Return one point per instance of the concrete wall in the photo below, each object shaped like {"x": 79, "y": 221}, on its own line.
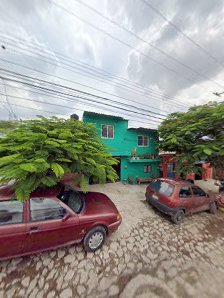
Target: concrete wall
{"x": 136, "y": 169}
{"x": 125, "y": 140}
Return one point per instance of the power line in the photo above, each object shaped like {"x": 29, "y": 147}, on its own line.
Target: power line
{"x": 86, "y": 65}
{"x": 63, "y": 106}
{"x": 67, "y": 80}
{"x": 89, "y": 104}
{"x": 117, "y": 39}
{"x": 82, "y": 92}
{"x": 94, "y": 77}
{"x": 66, "y": 99}
{"x": 58, "y": 92}
{"x": 152, "y": 97}
{"x": 182, "y": 32}
{"x": 12, "y": 113}
{"x": 149, "y": 43}
{"x": 25, "y": 107}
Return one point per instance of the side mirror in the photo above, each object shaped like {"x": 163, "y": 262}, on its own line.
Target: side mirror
{"x": 66, "y": 217}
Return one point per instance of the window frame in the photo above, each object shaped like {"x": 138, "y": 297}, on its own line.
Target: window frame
{"x": 15, "y": 223}
{"x": 107, "y": 131}
{"x": 190, "y": 188}
{"x": 45, "y": 220}
{"x": 197, "y": 187}
{"x": 143, "y": 136}
{"x": 147, "y": 166}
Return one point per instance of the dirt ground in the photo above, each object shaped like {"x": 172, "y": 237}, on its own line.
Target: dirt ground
{"x": 147, "y": 257}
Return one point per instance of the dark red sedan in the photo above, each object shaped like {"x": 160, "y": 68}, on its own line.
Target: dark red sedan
{"x": 179, "y": 198}
{"x": 54, "y": 218}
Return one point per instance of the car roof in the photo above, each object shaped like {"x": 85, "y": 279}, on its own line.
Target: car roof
{"x": 7, "y": 191}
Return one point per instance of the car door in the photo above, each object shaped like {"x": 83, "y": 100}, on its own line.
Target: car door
{"x": 12, "y": 228}
{"x": 200, "y": 199}
{"x": 186, "y": 198}
{"x": 47, "y": 228}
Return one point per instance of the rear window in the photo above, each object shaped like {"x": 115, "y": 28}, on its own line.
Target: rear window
{"x": 162, "y": 187}
{"x": 73, "y": 199}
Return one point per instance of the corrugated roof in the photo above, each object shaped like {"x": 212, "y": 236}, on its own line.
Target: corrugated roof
{"x": 141, "y": 129}
{"x": 104, "y": 115}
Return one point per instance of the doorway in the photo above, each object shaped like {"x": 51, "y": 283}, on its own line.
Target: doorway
{"x": 117, "y": 167}
{"x": 198, "y": 176}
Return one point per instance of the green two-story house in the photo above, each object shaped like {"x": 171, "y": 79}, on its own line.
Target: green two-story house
{"x": 135, "y": 148}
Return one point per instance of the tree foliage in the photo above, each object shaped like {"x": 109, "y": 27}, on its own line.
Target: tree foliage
{"x": 38, "y": 153}
{"x": 8, "y": 125}
{"x": 195, "y": 135}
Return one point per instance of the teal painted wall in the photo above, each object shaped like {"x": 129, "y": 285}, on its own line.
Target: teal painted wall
{"x": 125, "y": 140}
{"x": 118, "y": 145}
{"x": 136, "y": 169}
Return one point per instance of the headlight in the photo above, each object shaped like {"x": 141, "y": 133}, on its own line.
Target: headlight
{"x": 118, "y": 217}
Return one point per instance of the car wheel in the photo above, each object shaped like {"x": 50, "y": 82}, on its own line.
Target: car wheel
{"x": 178, "y": 217}
{"x": 94, "y": 239}
{"x": 213, "y": 208}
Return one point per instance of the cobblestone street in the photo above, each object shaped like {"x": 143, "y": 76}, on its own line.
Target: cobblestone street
{"x": 147, "y": 257}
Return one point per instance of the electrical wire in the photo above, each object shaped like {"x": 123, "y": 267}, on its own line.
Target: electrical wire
{"x": 94, "y": 77}
{"x": 86, "y": 65}
{"x": 148, "y": 43}
{"x": 180, "y": 76}
{"x": 63, "y": 106}
{"x": 81, "y": 92}
{"x": 147, "y": 3}
{"x": 152, "y": 97}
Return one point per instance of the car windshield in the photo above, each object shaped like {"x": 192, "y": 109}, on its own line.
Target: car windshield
{"x": 162, "y": 187}
{"x": 73, "y": 199}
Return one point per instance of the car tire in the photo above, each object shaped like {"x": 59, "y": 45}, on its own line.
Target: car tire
{"x": 178, "y": 217}
{"x": 213, "y": 208}
{"x": 94, "y": 239}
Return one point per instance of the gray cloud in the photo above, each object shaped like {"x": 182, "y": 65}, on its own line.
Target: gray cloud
{"x": 198, "y": 19}
{"x": 45, "y": 25}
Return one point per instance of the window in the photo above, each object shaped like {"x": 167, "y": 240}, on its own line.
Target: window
{"x": 147, "y": 169}
{"x": 73, "y": 199}
{"x": 143, "y": 141}
{"x": 170, "y": 167}
{"x": 107, "y": 131}
{"x": 11, "y": 212}
{"x": 185, "y": 192}
{"x": 45, "y": 209}
{"x": 198, "y": 192}
{"x": 162, "y": 187}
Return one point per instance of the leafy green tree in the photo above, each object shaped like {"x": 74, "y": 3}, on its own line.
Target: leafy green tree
{"x": 7, "y": 125}
{"x": 38, "y": 153}
{"x": 195, "y": 135}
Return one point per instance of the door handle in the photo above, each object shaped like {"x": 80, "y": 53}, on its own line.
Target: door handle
{"x": 34, "y": 229}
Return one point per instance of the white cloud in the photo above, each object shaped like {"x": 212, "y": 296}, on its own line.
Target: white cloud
{"x": 49, "y": 27}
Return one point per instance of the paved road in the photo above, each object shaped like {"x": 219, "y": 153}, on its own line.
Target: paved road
{"x": 147, "y": 257}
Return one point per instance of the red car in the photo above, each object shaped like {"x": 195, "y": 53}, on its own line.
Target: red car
{"x": 54, "y": 218}
{"x": 178, "y": 198}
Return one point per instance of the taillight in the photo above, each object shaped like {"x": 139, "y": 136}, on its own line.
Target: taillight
{"x": 172, "y": 202}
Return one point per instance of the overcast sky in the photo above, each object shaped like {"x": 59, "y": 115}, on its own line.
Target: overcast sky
{"x": 156, "y": 68}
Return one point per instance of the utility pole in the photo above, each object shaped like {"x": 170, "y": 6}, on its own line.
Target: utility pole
{"x": 12, "y": 114}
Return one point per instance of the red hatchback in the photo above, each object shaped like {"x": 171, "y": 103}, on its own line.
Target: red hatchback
{"x": 178, "y": 198}
{"x": 54, "y": 218}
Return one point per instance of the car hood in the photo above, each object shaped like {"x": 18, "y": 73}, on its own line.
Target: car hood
{"x": 98, "y": 203}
